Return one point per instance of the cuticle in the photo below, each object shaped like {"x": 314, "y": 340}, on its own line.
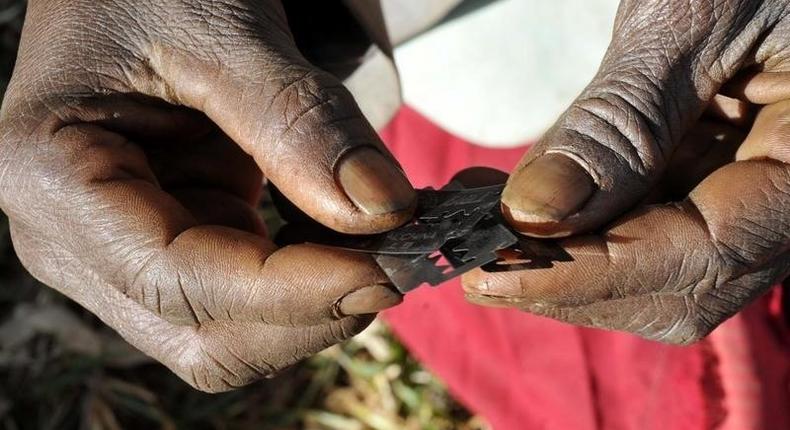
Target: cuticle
{"x": 342, "y": 155}
{"x": 339, "y": 314}
{"x": 587, "y": 167}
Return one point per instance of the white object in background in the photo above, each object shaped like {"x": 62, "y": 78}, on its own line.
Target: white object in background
{"x": 500, "y": 75}
{"x": 406, "y": 18}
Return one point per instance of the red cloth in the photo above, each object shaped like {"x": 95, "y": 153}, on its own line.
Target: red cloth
{"x": 520, "y": 371}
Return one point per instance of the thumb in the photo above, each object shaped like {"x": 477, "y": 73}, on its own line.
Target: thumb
{"x": 299, "y": 123}
{"x": 609, "y": 149}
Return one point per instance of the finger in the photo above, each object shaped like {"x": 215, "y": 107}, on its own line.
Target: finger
{"x": 769, "y": 135}
{"x": 300, "y": 124}
{"x": 731, "y": 111}
{"x": 300, "y": 228}
{"x": 136, "y": 116}
{"x": 234, "y": 354}
{"x": 480, "y": 177}
{"x": 762, "y": 88}
{"x": 608, "y": 150}
{"x": 212, "y": 273}
{"x": 704, "y": 149}
{"x": 212, "y": 161}
{"x": 288, "y": 211}
{"x": 670, "y": 272}
{"x": 217, "y": 207}
{"x": 94, "y": 196}
{"x": 217, "y": 356}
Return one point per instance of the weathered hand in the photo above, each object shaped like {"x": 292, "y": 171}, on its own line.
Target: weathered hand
{"x": 661, "y": 121}
{"x": 135, "y": 138}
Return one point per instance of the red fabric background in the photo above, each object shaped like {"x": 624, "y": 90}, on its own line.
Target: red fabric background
{"x": 525, "y": 372}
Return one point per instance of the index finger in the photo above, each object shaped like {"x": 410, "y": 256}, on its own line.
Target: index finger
{"x": 667, "y": 272}
{"x": 96, "y": 191}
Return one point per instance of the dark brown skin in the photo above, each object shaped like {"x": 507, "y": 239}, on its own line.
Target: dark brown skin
{"x": 136, "y": 136}
{"x": 662, "y": 120}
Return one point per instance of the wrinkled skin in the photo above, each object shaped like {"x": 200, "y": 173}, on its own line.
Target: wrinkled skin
{"x": 677, "y": 195}
{"x": 135, "y": 139}
{"x": 136, "y": 135}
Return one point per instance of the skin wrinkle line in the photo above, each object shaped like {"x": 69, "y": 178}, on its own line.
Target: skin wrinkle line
{"x": 293, "y": 124}
{"x": 207, "y": 299}
{"x": 596, "y": 143}
{"x": 650, "y": 109}
{"x": 692, "y": 205}
{"x": 280, "y": 91}
{"x": 635, "y": 142}
{"x": 704, "y": 316}
{"x": 219, "y": 363}
{"x": 632, "y": 142}
{"x": 659, "y": 306}
{"x": 258, "y": 371}
{"x": 153, "y": 61}
{"x": 640, "y": 113}
{"x": 679, "y": 324}
{"x": 633, "y": 322}
{"x": 85, "y": 300}
{"x": 741, "y": 286}
{"x": 186, "y": 299}
{"x": 582, "y": 304}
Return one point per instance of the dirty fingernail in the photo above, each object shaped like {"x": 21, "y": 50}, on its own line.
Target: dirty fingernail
{"x": 491, "y": 302}
{"x": 548, "y": 189}
{"x": 374, "y": 183}
{"x": 479, "y": 286}
{"x": 369, "y": 300}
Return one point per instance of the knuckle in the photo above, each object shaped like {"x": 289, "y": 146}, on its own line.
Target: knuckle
{"x": 231, "y": 19}
{"x": 746, "y": 220}
{"x": 308, "y": 115}
{"x": 609, "y": 130}
{"x": 160, "y": 286}
{"x": 198, "y": 371}
{"x": 688, "y": 332}
{"x": 214, "y": 368}
{"x": 307, "y": 99}
{"x": 685, "y": 321}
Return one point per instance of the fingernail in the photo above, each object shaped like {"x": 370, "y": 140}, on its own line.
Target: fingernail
{"x": 548, "y": 189}
{"x": 480, "y": 287}
{"x": 369, "y": 300}
{"x": 374, "y": 183}
{"x": 490, "y": 302}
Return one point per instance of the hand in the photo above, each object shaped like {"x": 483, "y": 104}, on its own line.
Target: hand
{"x": 661, "y": 121}
{"x": 135, "y": 140}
